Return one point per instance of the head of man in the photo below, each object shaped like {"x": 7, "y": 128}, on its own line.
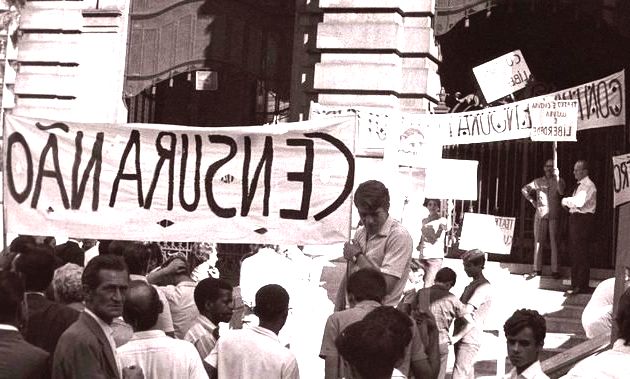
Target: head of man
{"x": 548, "y": 168}
{"x": 433, "y": 205}
{"x": 474, "y": 261}
{"x": 136, "y": 255}
{"x": 446, "y": 277}
{"x": 272, "y": 307}
{"x": 525, "y": 333}
{"x": 580, "y": 170}
{"x": 105, "y": 280}
{"x": 623, "y": 317}
{"x": 366, "y": 284}
{"x": 375, "y": 345}
{"x": 142, "y": 306}
{"x": 66, "y": 284}
{"x": 213, "y": 298}
{"x": 37, "y": 266}
{"x": 372, "y": 201}
{"x": 12, "y": 309}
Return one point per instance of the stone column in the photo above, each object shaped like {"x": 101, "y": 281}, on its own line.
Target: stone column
{"x": 377, "y": 53}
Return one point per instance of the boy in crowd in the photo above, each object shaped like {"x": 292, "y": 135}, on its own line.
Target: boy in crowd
{"x": 525, "y": 334}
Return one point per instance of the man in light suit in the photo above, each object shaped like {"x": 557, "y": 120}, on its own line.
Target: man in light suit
{"x": 18, "y": 358}
{"x": 87, "y": 348}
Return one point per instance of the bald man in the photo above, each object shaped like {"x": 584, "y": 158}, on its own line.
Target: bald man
{"x": 150, "y": 348}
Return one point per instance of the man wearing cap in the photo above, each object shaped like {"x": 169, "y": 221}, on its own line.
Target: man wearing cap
{"x": 381, "y": 243}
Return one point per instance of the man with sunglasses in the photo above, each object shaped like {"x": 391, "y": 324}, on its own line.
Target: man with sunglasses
{"x": 380, "y": 243}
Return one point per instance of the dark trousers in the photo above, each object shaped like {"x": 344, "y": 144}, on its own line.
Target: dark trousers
{"x": 580, "y": 229}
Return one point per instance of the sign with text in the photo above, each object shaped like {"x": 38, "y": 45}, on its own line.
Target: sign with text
{"x": 488, "y": 233}
{"x": 621, "y": 179}
{"x": 554, "y": 120}
{"x": 280, "y": 184}
{"x": 502, "y": 76}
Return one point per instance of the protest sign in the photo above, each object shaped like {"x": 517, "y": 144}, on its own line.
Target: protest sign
{"x": 492, "y": 234}
{"x": 452, "y": 179}
{"x": 281, "y": 184}
{"x": 621, "y": 180}
{"x": 502, "y": 76}
{"x": 554, "y": 120}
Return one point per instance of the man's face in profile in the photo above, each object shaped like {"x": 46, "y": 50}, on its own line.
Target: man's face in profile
{"x": 372, "y": 219}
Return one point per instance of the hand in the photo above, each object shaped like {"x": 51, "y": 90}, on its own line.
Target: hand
{"x": 175, "y": 267}
{"x": 351, "y": 250}
{"x": 556, "y": 172}
{"x": 132, "y": 372}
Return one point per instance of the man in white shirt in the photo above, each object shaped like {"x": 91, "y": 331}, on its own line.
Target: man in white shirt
{"x": 87, "y": 348}
{"x": 158, "y": 355}
{"x": 614, "y": 363}
{"x": 257, "y": 352}
{"x": 525, "y": 334}
{"x": 581, "y": 223}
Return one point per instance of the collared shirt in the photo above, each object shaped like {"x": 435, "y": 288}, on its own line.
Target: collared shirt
{"x": 390, "y": 250}
{"x": 254, "y": 352}
{"x": 478, "y": 294}
{"x": 160, "y": 356}
{"x": 109, "y": 334}
{"x": 584, "y": 199}
{"x": 610, "y": 364}
{"x": 181, "y": 299}
{"x": 547, "y": 200}
{"x": 201, "y": 335}
{"x": 8, "y": 327}
{"x": 165, "y": 320}
{"x": 534, "y": 371}
{"x": 445, "y": 307}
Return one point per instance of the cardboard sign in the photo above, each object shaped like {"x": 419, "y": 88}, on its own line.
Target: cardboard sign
{"x": 621, "y": 179}
{"x": 554, "y": 120}
{"x": 452, "y": 179}
{"x": 280, "y": 184}
{"x": 492, "y": 234}
{"x": 502, "y": 76}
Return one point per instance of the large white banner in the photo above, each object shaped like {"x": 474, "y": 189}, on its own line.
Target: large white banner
{"x": 281, "y": 184}
{"x": 621, "y": 179}
{"x": 502, "y": 76}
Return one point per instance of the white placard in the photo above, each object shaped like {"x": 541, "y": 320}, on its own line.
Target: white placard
{"x": 502, "y": 76}
{"x": 554, "y": 120}
{"x": 488, "y": 233}
{"x": 282, "y": 184}
{"x": 621, "y": 179}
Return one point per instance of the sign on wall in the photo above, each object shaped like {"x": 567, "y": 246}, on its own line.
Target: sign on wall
{"x": 621, "y": 179}
{"x": 286, "y": 183}
{"x": 554, "y": 120}
{"x": 502, "y": 76}
{"x": 488, "y": 233}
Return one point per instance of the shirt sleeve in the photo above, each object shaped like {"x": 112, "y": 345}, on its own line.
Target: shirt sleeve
{"x": 165, "y": 319}
{"x": 331, "y": 331}
{"x": 459, "y": 309}
{"x": 196, "y": 369}
{"x": 480, "y": 296}
{"x": 397, "y": 254}
{"x": 290, "y": 370}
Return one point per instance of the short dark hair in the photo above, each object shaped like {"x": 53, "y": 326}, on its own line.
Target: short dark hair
{"x": 103, "y": 246}
{"x": 584, "y": 163}
{"x": 136, "y": 255}
{"x": 90, "y": 277}
{"x": 367, "y": 284}
{"x": 142, "y": 306}
{"x": 426, "y": 201}
{"x": 37, "y": 266}
{"x": 526, "y": 318}
{"x": 623, "y": 316}
{"x": 375, "y": 344}
{"x": 372, "y": 195}
{"x": 11, "y": 296}
{"x": 445, "y": 275}
{"x": 208, "y": 290}
{"x": 271, "y": 302}
{"x": 22, "y": 244}
{"x": 474, "y": 256}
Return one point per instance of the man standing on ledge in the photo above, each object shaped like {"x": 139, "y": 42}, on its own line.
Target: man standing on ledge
{"x": 381, "y": 243}
{"x": 544, "y": 193}
{"x": 581, "y": 222}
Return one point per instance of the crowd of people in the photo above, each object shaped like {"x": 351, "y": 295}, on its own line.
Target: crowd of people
{"x": 126, "y": 312}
